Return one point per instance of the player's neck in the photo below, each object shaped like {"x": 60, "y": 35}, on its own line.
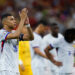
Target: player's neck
{"x": 55, "y": 35}
{"x": 7, "y": 28}
{"x": 37, "y": 31}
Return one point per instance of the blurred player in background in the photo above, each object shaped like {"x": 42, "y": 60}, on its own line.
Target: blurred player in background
{"x": 37, "y": 60}
{"x": 25, "y": 56}
{"x": 8, "y": 49}
{"x": 65, "y": 60}
{"x": 52, "y": 37}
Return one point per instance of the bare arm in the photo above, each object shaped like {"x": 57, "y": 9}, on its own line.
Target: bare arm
{"x": 29, "y": 31}
{"x": 30, "y": 34}
{"x": 17, "y": 33}
{"x": 37, "y": 51}
{"x": 50, "y": 56}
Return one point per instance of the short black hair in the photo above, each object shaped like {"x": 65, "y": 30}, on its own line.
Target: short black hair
{"x": 44, "y": 22}
{"x": 69, "y": 35}
{"x": 53, "y": 24}
{"x": 5, "y": 15}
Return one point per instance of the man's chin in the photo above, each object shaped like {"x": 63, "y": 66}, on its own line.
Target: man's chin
{"x": 12, "y": 28}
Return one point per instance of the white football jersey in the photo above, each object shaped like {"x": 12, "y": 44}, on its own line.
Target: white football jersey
{"x": 36, "y": 43}
{"x": 38, "y": 64}
{"x": 36, "y": 59}
{"x": 65, "y": 55}
{"x": 8, "y": 53}
{"x": 46, "y": 41}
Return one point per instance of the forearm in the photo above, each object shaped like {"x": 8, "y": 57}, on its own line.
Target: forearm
{"x": 41, "y": 54}
{"x": 23, "y": 17}
{"x": 37, "y": 51}
{"x": 29, "y": 32}
{"x": 50, "y": 56}
{"x": 16, "y": 34}
{"x": 19, "y": 29}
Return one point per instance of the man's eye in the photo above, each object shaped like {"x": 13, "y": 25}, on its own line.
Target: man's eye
{"x": 11, "y": 19}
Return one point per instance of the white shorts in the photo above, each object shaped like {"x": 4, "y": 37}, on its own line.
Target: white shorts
{"x": 8, "y": 73}
{"x": 47, "y": 71}
{"x": 38, "y": 71}
{"x": 38, "y": 68}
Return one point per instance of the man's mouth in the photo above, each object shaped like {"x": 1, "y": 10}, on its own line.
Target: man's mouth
{"x": 15, "y": 24}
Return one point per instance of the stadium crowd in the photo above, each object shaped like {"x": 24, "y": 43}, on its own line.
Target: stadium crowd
{"x": 49, "y": 49}
{"x": 60, "y": 11}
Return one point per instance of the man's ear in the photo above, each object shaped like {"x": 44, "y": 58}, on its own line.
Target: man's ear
{"x": 4, "y": 21}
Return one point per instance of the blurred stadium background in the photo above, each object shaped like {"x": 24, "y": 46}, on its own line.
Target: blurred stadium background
{"x": 60, "y": 11}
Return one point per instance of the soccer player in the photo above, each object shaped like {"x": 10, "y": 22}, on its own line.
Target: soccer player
{"x": 65, "y": 53}
{"x": 37, "y": 59}
{"x": 8, "y": 49}
{"x": 24, "y": 56}
{"x": 52, "y": 37}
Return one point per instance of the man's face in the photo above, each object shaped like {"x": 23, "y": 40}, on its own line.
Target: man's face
{"x": 42, "y": 29}
{"x": 55, "y": 29}
{"x": 10, "y": 22}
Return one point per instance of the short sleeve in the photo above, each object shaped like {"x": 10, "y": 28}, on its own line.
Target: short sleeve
{"x": 44, "y": 43}
{"x": 55, "y": 44}
{"x": 3, "y": 35}
{"x": 35, "y": 43}
{"x": 14, "y": 41}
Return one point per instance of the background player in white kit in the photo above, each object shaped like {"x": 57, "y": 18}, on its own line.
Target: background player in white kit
{"x": 65, "y": 53}
{"x": 8, "y": 49}
{"x": 52, "y": 37}
{"x": 37, "y": 60}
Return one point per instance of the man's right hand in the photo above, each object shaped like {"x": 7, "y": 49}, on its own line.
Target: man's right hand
{"x": 23, "y": 14}
{"x": 22, "y": 67}
{"x": 57, "y": 63}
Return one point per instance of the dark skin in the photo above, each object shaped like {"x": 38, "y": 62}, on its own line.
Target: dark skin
{"x": 54, "y": 32}
{"x": 50, "y": 56}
